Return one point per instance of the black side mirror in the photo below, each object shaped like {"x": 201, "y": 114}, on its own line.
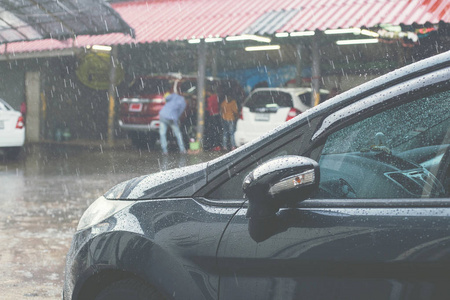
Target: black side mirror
{"x": 280, "y": 181}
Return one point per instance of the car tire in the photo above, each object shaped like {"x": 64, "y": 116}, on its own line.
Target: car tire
{"x": 129, "y": 289}
{"x": 137, "y": 139}
{"x": 13, "y": 152}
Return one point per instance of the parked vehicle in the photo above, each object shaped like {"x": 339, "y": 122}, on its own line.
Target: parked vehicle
{"x": 266, "y": 108}
{"x": 139, "y": 109}
{"x": 348, "y": 200}
{"x": 12, "y": 130}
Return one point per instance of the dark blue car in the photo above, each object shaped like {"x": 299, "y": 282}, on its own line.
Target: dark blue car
{"x": 349, "y": 200}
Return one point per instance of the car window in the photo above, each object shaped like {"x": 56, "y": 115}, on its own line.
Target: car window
{"x": 150, "y": 86}
{"x": 305, "y": 98}
{"x": 394, "y": 154}
{"x": 265, "y": 99}
{"x": 4, "y": 106}
{"x": 188, "y": 87}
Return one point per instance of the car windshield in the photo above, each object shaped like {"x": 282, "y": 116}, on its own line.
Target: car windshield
{"x": 269, "y": 98}
{"x": 4, "y": 105}
{"x": 305, "y": 98}
{"x": 145, "y": 86}
{"x": 188, "y": 87}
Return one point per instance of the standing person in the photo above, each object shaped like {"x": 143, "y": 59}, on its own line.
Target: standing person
{"x": 212, "y": 122}
{"x": 23, "y": 110}
{"x": 169, "y": 116}
{"x": 229, "y": 113}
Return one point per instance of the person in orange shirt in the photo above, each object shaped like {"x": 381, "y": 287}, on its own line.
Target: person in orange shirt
{"x": 229, "y": 113}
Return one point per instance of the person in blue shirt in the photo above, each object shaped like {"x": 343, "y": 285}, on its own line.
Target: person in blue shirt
{"x": 169, "y": 115}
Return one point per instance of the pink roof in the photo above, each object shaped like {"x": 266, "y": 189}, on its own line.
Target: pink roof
{"x": 170, "y": 20}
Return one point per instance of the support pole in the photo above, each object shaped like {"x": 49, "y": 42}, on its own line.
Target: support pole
{"x": 315, "y": 83}
{"x": 32, "y": 100}
{"x": 298, "y": 60}
{"x": 214, "y": 62}
{"x": 201, "y": 91}
{"x": 112, "y": 96}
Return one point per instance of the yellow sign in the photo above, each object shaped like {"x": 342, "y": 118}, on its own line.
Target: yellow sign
{"x": 94, "y": 71}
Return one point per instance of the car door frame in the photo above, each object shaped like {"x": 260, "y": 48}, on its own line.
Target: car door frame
{"x": 315, "y": 140}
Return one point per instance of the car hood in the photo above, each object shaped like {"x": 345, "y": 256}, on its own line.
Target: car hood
{"x": 176, "y": 183}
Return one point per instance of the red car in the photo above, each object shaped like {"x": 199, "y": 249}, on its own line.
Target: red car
{"x": 139, "y": 109}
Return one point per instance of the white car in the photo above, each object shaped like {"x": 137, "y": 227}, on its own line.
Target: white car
{"x": 266, "y": 108}
{"x": 12, "y": 130}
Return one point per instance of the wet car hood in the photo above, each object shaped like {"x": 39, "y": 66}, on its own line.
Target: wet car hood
{"x": 176, "y": 183}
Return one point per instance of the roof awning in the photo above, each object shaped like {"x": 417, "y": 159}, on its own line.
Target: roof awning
{"x": 27, "y": 20}
{"x": 168, "y": 20}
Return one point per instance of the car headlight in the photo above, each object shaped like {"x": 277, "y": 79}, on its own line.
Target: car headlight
{"x": 100, "y": 210}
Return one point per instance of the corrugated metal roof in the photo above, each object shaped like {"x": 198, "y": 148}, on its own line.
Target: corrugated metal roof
{"x": 43, "y": 19}
{"x": 271, "y": 21}
{"x": 169, "y": 20}
{"x": 325, "y": 14}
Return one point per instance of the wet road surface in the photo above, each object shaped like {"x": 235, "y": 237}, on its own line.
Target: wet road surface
{"x": 42, "y": 196}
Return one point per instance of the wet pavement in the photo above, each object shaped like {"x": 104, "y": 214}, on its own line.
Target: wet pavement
{"x": 44, "y": 193}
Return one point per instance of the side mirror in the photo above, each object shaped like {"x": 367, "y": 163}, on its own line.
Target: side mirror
{"x": 282, "y": 180}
